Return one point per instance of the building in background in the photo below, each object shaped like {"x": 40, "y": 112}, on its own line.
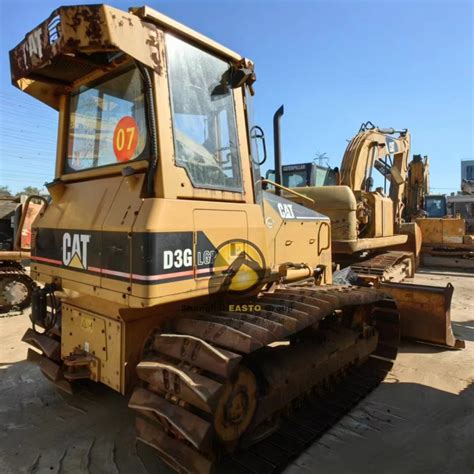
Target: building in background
{"x": 462, "y": 203}
{"x": 467, "y": 176}
{"x": 467, "y": 170}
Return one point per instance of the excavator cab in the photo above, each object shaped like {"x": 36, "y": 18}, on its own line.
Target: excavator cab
{"x": 308, "y": 174}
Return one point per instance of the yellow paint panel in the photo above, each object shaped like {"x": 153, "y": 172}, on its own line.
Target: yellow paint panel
{"x": 446, "y": 230}
{"x": 97, "y": 335}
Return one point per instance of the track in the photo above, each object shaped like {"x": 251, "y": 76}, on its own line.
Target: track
{"x": 308, "y": 423}
{"x": 217, "y": 383}
{"x": 388, "y": 266}
{"x": 16, "y": 286}
{"x": 248, "y": 391}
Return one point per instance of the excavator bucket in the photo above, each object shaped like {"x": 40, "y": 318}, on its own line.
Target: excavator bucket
{"x": 425, "y": 313}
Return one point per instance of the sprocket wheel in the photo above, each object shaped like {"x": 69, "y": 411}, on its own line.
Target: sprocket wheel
{"x": 15, "y": 292}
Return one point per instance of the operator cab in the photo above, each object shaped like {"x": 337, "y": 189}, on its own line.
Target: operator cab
{"x": 306, "y": 174}
{"x": 136, "y": 89}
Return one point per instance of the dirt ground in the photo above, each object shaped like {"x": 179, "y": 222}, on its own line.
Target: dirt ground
{"x": 420, "y": 420}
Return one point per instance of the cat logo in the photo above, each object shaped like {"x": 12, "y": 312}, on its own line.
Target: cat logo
{"x": 75, "y": 250}
{"x": 286, "y": 211}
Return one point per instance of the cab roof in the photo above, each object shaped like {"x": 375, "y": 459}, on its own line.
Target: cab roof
{"x": 76, "y": 41}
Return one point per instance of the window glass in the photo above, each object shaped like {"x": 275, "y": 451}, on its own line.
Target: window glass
{"x": 295, "y": 179}
{"x": 203, "y": 113}
{"x": 435, "y": 207}
{"x": 107, "y": 123}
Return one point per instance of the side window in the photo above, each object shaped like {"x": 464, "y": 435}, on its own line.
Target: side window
{"x": 107, "y": 123}
{"x": 295, "y": 179}
{"x": 204, "y": 124}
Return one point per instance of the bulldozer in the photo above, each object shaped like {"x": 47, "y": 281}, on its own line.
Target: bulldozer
{"x": 16, "y": 286}
{"x": 168, "y": 274}
{"x": 368, "y": 231}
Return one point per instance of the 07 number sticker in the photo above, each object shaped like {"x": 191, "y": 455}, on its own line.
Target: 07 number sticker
{"x": 125, "y": 138}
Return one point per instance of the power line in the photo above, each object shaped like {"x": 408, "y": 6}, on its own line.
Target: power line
{"x": 433, "y": 187}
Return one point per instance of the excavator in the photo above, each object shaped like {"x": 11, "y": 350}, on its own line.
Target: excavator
{"x": 446, "y": 240}
{"x": 368, "y": 231}
{"x": 418, "y": 201}
{"x": 168, "y": 274}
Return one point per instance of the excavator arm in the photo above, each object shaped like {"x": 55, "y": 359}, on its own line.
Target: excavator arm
{"x": 383, "y": 149}
{"x": 417, "y": 188}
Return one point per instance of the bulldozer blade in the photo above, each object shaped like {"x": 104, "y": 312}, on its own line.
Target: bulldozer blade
{"x": 425, "y": 313}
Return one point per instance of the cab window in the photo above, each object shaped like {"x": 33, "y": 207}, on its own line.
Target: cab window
{"x": 107, "y": 123}
{"x": 204, "y": 123}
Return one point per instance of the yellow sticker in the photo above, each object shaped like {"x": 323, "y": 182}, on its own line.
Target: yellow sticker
{"x": 86, "y": 324}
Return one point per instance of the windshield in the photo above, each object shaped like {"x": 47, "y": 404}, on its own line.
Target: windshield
{"x": 107, "y": 123}
{"x": 435, "y": 207}
{"x": 295, "y": 179}
{"x": 204, "y": 121}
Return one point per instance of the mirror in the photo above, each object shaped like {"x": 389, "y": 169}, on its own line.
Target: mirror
{"x": 240, "y": 75}
{"x": 32, "y": 207}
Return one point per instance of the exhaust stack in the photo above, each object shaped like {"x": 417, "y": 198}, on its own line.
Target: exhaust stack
{"x": 277, "y": 147}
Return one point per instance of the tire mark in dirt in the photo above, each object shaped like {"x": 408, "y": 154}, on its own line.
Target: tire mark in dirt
{"x": 34, "y": 467}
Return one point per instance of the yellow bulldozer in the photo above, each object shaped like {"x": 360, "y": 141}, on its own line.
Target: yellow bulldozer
{"x": 168, "y": 274}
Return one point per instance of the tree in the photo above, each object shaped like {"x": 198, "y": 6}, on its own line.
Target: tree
{"x": 322, "y": 159}
{"x": 5, "y": 191}
{"x": 30, "y": 190}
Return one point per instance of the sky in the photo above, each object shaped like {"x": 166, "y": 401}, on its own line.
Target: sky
{"x": 333, "y": 64}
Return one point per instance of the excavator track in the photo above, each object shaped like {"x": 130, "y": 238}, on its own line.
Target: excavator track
{"x": 16, "y": 287}
{"x": 247, "y": 392}
{"x": 390, "y": 266}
